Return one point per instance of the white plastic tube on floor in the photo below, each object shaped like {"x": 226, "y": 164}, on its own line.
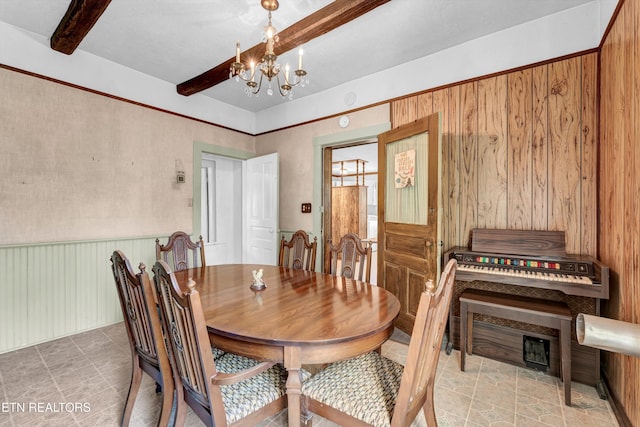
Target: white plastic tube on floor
{"x": 608, "y": 334}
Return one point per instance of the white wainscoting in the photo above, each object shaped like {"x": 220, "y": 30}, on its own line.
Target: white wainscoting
{"x": 49, "y": 291}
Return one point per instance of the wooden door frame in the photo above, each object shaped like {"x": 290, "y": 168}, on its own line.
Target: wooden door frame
{"x": 327, "y": 188}
{"x": 333, "y": 140}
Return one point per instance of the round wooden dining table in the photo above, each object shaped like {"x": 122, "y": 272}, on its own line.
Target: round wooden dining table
{"x": 300, "y": 318}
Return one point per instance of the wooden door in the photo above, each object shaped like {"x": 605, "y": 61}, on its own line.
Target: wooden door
{"x": 348, "y": 211}
{"x": 409, "y": 248}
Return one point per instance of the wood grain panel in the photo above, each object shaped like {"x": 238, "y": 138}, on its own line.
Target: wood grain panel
{"x": 565, "y": 149}
{"x": 468, "y": 157}
{"x": 424, "y": 106}
{"x": 589, "y": 165}
{"x": 417, "y": 285}
{"x": 540, "y": 150}
{"x": 632, "y": 369}
{"x": 403, "y": 244}
{"x": 444, "y": 101}
{"x": 452, "y": 191}
{"x": 629, "y": 305}
{"x": 349, "y": 211}
{"x": 610, "y": 219}
{"x": 404, "y": 111}
{"x": 519, "y": 154}
{"x": 619, "y": 190}
{"x": 394, "y": 282}
{"x": 492, "y": 153}
{"x": 508, "y": 141}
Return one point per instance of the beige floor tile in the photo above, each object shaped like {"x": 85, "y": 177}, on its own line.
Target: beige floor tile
{"x": 94, "y": 369}
{"x": 540, "y": 410}
{"x": 490, "y": 413}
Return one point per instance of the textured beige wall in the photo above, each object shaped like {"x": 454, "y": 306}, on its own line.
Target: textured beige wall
{"x": 75, "y": 165}
{"x": 295, "y": 150}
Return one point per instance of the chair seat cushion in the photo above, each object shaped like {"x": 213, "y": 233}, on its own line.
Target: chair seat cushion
{"x": 244, "y": 397}
{"x": 217, "y": 353}
{"x": 364, "y": 387}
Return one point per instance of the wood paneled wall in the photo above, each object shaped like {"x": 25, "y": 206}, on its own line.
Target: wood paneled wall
{"x": 519, "y": 151}
{"x": 620, "y": 194}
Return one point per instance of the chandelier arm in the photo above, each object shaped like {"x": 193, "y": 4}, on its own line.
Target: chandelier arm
{"x": 280, "y": 87}
{"x": 258, "y": 86}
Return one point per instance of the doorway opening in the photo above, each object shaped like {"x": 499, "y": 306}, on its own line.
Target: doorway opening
{"x": 350, "y": 188}
{"x": 235, "y": 205}
{"x": 221, "y": 209}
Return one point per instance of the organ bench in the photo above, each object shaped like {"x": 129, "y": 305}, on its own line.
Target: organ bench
{"x": 551, "y": 314}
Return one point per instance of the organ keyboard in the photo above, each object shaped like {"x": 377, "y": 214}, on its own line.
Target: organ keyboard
{"x": 540, "y": 262}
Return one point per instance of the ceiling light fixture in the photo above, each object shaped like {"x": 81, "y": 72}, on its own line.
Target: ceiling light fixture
{"x": 268, "y": 66}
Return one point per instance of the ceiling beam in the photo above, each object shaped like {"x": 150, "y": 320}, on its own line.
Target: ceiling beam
{"x": 81, "y": 16}
{"x": 318, "y": 23}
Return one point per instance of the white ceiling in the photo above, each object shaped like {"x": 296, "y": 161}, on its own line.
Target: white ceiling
{"x": 176, "y": 40}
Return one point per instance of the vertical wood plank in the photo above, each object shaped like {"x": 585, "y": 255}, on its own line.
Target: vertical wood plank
{"x": 589, "y": 166}
{"x": 424, "y": 106}
{"x": 519, "y": 155}
{"x": 443, "y": 202}
{"x": 440, "y": 101}
{"x": 404, "y": 111}
{"x": 452, "y": 193}
{"x": 611, "y": 180}
{"x": 634, "y": 280}
{"x": 631, "y": 224}
{"x": 565, "y": 150}
{"x": 540, "y": 152}
{"x": 455, "y": 234}
{"x": 492, "y": 152}
{"x": 468, "y": 159}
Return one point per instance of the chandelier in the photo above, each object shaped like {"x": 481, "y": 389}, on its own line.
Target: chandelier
{"x": 268, "y": 67}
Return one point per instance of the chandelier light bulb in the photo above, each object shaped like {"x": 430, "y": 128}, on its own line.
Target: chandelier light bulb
{"x": 270, "y": 31}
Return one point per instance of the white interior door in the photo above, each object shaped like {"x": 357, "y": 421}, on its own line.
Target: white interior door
{"x": 261, "y": 210}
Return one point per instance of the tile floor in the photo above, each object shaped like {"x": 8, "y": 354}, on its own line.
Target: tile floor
{"x": 82, "y": 380}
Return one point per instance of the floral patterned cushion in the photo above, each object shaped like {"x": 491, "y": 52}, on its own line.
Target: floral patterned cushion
{"x": 365, "y": 387}
{"x": 244, "y": 397}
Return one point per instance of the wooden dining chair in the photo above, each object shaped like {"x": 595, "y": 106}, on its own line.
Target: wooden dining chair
{"x": 371, "y": 390}
{"x": 231, "y": 390}
{"x": 298, "y": 253}
{"x": 181, "y": 252}
{"x": 148, "y": 350}
{"x": 349, "y": 258}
